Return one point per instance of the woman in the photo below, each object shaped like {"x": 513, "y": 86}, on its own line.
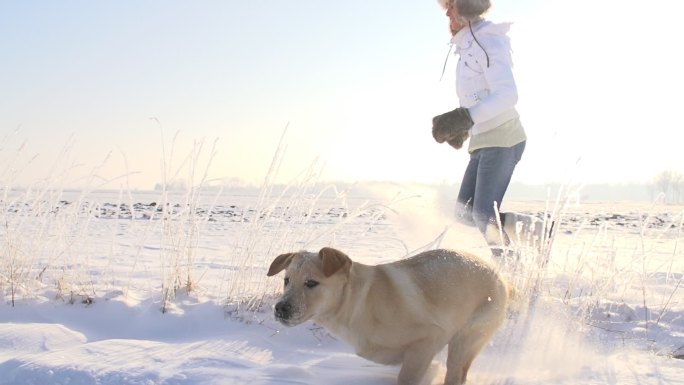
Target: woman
{"x": 487, "y": 94}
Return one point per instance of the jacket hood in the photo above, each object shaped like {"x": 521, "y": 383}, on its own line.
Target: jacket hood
{"x": 483, "y": 29}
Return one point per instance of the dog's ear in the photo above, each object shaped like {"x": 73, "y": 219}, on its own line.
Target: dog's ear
{"x": 280, "y": 263}
{"x": 334, "y": 260}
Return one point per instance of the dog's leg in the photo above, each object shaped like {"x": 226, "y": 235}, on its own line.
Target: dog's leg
{"x": 462, "y": 351}
{"x": 416, "y": 362}
{"x": 466, "y": 345}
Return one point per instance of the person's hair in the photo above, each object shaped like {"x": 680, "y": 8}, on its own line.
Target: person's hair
{"x": 469, "y": 10}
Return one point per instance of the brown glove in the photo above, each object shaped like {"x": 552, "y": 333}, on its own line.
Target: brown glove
{"x": 451, "y": 125}
{"x": 457, "y": 141}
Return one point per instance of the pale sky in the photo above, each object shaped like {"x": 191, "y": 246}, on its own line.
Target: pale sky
{"x": 358, "y": 82}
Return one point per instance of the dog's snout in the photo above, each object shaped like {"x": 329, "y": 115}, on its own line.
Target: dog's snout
{"x": 283, "y": 310}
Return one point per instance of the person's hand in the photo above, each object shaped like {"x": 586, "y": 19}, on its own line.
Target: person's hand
{"x": 457, "y": 141}
{"x": 451, "y": 125}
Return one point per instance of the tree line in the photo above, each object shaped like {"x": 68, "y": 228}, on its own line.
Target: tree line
{"x": 671, "y": 185}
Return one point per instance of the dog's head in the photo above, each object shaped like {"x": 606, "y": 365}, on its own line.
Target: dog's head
{"x": 313, "y": 283}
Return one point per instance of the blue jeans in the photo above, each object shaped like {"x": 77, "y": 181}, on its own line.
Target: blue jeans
{"x": 484, "y": 184}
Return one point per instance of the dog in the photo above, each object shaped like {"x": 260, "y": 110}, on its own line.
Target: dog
{"x": 403, "y": 312}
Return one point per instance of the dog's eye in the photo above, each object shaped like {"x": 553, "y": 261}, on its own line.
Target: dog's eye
{"x": 287, "y": 281}
{"x": 310, "y": 283}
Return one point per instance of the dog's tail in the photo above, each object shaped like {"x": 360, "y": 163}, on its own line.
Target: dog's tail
{"x": 512, "y": 292}
{"x": 515, "y": 300}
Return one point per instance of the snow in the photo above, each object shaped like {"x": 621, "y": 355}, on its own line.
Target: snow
{"x": 109, "y": 288}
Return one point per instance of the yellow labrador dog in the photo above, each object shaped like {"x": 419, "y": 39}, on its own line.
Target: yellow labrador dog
{"x": 403, "y": 312}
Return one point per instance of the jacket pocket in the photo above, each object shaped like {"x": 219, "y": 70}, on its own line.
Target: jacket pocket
{"x": 471, "y": 84}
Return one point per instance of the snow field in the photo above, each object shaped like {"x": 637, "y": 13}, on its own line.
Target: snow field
{"x": 110, "y": 288}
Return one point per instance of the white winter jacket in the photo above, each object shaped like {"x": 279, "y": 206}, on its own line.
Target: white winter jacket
{"x": 485, "y": 84}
